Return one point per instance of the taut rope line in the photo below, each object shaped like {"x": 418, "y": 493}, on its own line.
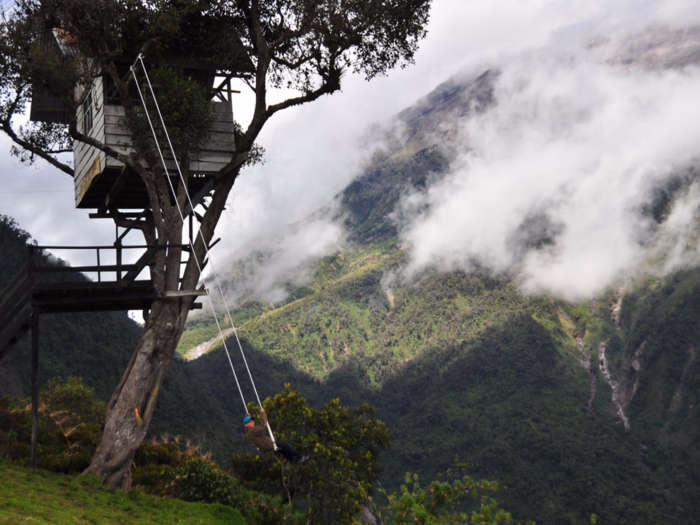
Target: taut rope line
{"x": 189, "y": 199}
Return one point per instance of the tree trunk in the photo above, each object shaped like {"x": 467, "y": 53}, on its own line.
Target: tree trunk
{"x": 131, "y": 407}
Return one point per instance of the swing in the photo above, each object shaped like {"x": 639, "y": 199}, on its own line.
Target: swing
{"x": 139, "y": 59}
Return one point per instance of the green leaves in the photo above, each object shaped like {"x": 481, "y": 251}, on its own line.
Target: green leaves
{"x": 443, "y": 502}
{"x": 69, "y": 426}
{"x": 186, "y": 109}
{"x": 345, "y": 448}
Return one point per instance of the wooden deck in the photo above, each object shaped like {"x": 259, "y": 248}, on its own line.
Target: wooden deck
{"x": 50, "y": 289}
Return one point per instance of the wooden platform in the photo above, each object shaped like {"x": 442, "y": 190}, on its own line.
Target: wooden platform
{"x": 50, "y": 289}
{"x": 53, "y": 298}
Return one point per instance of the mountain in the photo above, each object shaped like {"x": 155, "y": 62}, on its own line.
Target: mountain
{"x": 575, "y": 408}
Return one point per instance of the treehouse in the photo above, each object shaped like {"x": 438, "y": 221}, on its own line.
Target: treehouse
{"x": 102, "y": 182}
{"x": 107, "y": 185}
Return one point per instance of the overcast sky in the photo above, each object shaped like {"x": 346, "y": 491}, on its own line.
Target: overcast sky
{"x": 312, "y": 151}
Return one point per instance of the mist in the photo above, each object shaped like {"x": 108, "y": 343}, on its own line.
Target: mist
{"x": 547, "y": 185}
{"x": 553, "y": 184}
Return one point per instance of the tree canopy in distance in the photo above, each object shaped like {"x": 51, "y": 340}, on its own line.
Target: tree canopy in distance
{"x": 305, "y": 46}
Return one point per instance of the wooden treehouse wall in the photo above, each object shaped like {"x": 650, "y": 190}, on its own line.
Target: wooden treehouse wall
{"x": 91, "y": 164}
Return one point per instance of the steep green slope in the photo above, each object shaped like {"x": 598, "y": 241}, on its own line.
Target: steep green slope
{"x": 97, "y": 347}
{"x": 521, "y": 388}
{"x": 39, "y": 497}
{"x": 656, "y": 361}
{"x": 464, "y": 365}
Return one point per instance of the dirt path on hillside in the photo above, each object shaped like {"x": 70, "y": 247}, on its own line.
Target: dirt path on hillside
{"x": 203, "y": 348}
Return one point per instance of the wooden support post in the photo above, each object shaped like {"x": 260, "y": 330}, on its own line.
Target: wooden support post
{"x": 99, "y": 273}
{"x": 36, "y": 329}
{"x": 119, "y": 261}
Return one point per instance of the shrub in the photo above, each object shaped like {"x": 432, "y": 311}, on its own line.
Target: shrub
{"x": 68, "y": 429}
{"x": 198, "y": 479}
{"x": 345, "y": 448}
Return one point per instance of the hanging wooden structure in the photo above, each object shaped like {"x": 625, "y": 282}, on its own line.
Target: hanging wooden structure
{"x": 102, "y": 182}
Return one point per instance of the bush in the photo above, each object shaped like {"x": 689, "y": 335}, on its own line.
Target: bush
{"x": 69, "y": 426}
{"x": 345, "y": 448}
{"x": 445, "y": 502}
{"x": 198, "y": 479}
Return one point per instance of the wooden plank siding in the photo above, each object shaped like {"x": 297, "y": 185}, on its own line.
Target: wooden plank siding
{"x": 107, "y": 128}
{"x": 211, "y": 159}
{"x": 83, "y": 155}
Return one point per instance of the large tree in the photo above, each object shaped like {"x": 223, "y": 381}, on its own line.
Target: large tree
{"x": 301, "y": 46}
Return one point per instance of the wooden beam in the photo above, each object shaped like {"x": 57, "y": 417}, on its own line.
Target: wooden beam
{"x": 12, "y": 333}
{"x": 114, "y": 191}
{"x": 36, "y": 330}
{"x": 116, "y": 300}
{"x": 183, "y": 293}
{"x": 109, "y": 247}
{"x": 14, "y": 300}
{"x": 199, "y": 196}
{"x": 22, "y": 273}
{"x": 130, "y": 215}
{"x": 140, "y": 265}
{"x": 141, "y": 220}
{"x": 80, "y": 269}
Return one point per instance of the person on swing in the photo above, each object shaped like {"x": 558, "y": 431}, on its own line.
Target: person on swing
{"x": 257, "y": 436}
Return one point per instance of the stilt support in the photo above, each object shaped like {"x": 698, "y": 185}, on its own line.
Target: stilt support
{"x": 36, "y": 329}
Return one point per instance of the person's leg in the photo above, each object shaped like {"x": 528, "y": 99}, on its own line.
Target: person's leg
{"x": 288, "y": 451}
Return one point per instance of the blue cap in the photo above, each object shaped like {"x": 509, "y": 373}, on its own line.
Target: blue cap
{"x": 246, "y": 419}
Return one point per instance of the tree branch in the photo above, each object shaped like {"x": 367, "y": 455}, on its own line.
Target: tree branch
{"x": 90, "y": 141}
{"x": 7, "y": 128}
{"x": 292, "y": 65}
{"x": 325, "y": 89}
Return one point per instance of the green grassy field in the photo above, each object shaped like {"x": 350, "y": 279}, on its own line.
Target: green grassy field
{"x": 40, "y": 497}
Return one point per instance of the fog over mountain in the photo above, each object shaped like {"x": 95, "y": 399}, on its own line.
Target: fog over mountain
{"x": 592, "y": 113}
{"x": 554, "y": 181}
{"x": 558, "y": 158}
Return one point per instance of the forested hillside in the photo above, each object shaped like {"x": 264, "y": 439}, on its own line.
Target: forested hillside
{"x": 97, "y": 347}
{"x": 463, "y": 365}
{"x": 575, "y": 408}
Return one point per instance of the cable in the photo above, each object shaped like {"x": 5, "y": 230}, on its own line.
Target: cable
{"x": 167, "y": 176}
{"x": 216, "y": 277}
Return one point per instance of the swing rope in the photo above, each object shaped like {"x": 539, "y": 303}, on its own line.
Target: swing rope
{"x": 199, "y": 267}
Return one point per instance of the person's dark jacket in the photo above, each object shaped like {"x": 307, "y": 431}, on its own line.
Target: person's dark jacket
{"x": 257, "y": 435}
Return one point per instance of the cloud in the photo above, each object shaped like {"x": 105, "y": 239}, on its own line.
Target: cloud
{"x": 552, "y": 184}
{"x": 313, "y": 152}
{"x": 677, "y": 243}
{"x": 41, "y": 199}
{"x": 269, "y": 268}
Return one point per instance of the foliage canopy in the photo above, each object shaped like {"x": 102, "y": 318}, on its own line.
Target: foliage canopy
{"x": 344, "y": 446}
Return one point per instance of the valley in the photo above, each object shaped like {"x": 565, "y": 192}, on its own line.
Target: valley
{"x": 493, "y": 356}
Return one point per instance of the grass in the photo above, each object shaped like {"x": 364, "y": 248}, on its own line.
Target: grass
{"x": 41, "y": 497}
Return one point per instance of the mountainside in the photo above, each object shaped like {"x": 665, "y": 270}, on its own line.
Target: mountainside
{"x": 576, "y": 408}
{"x": 97, "y": 347}
{"x": 463, "y": 365}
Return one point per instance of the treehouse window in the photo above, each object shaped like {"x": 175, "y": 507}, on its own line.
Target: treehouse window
{"x": 87, "y": 113}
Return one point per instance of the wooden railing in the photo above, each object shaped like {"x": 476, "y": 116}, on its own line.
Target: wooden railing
{"x": 124, "y": 274}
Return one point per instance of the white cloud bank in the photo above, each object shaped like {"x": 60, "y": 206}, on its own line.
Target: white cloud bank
{"x": 570, "y": 155}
